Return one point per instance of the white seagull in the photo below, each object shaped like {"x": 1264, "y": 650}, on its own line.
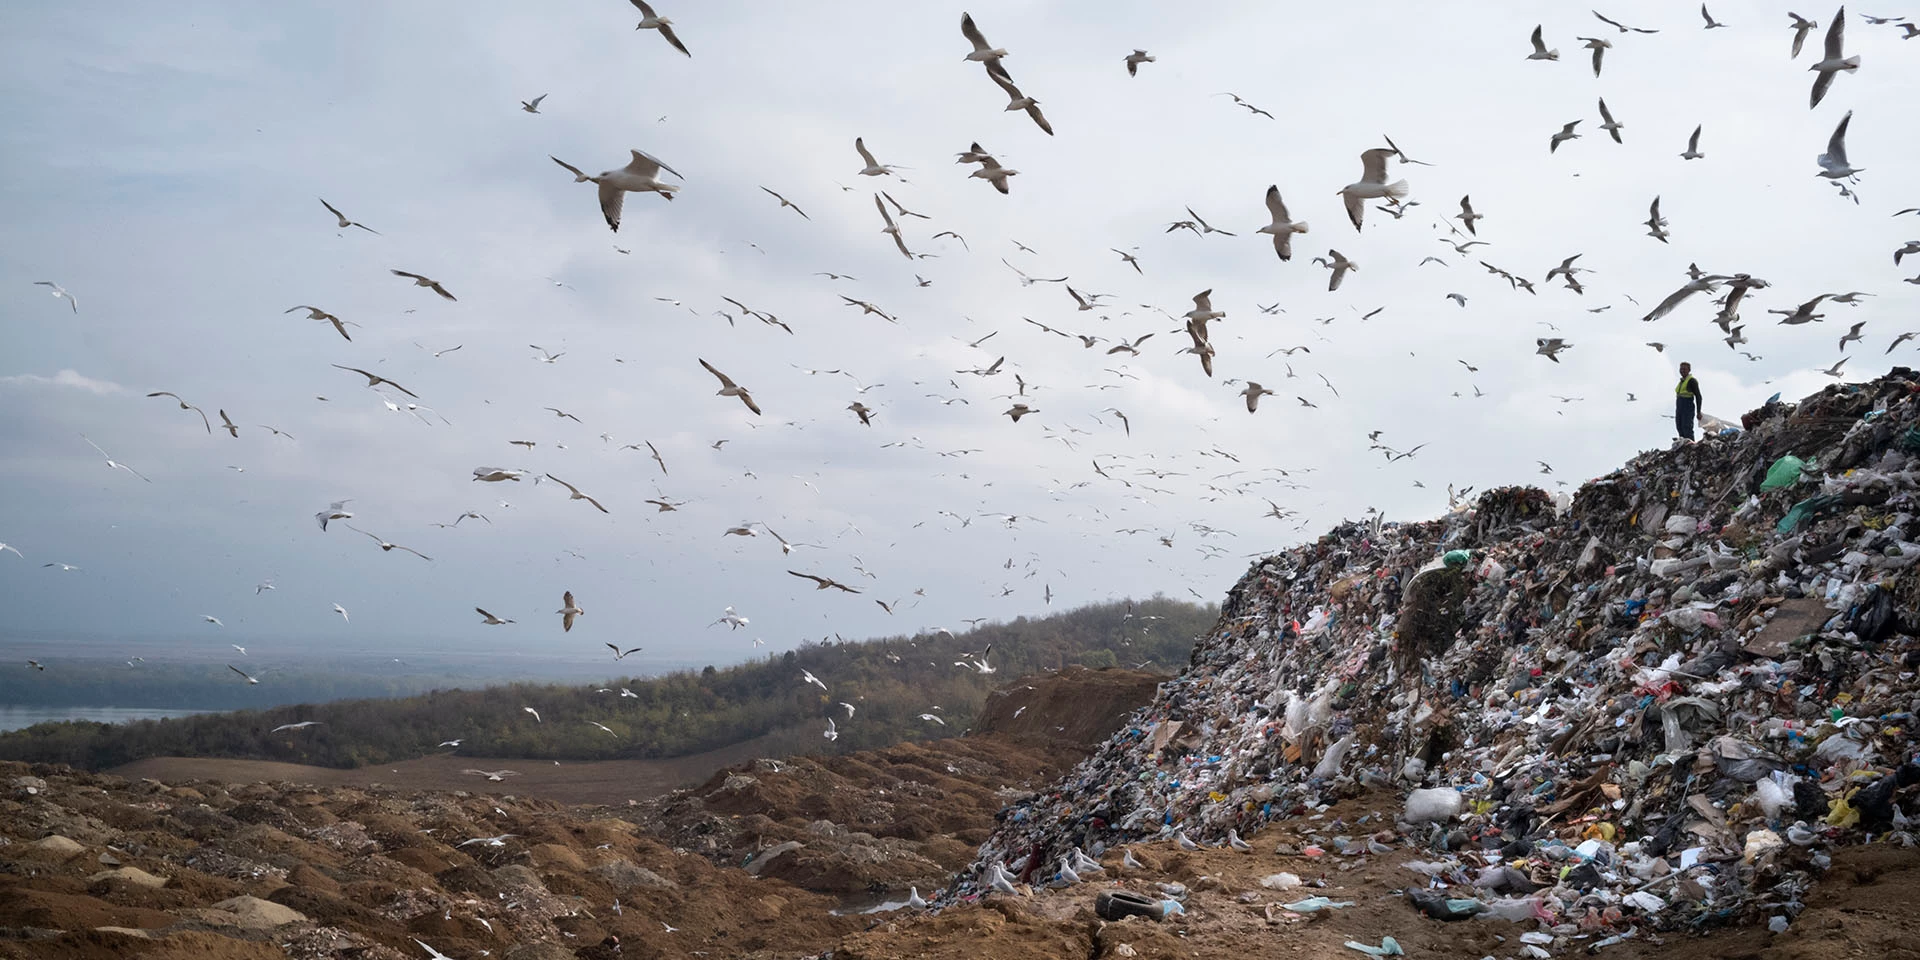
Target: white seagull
{"x": 653, "y": 21}
{"x": 1283, "y": 226}
{"x": 243, "y": 674}
{"x": 302, "y": 725}
{"x": 1835, "y": 60}
{"x": 60, "y": 293}
{"x": 640, "y": 175}
{"x": 727, "y": 389}
{"x": 568, "y": 611}
{"x": 344, "y": 222}
{"x": 342, "y": 611}
{"x": 1372, "y": 184}
{"x": 536, "y": 718}
{"x": 983, "y": 52}
{"x": 1540, "y": 51}
{"x": 532, "y": 106}
{"x": 874, "y": 168}
{"x": 489, "y": 619}
{"x": 808, "y": 677}
{"x": 1833, "y": 163}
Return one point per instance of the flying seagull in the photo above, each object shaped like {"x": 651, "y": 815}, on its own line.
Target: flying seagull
{"x": 640, "y": 175}
{"x": 1801, "y": 27}
{"x": 532, "y": 106}
{"x": 730, "y": 389}
{"x": 489, "y": 619}
{"x": 618, "y": 654}
{"x": 243, "y": 674}
{"x": 1540, "y": 51}
{"x": 653, "y": 21}
{"x": 374, "y": 380}
{"x": 1599, "y": 48}
{"x": 983, "y": 52}
{"x": 1282, "y": 228}
{"x": 386, "y": 547}
{"x": 1253, "y": 393}
{"x": 891, "y": 229}
{"x": 1610, "y": 125}
{"x": 784, "y": 202}
{"x": 203, "y": 414}
{"x": 1835, "y": 60}
{"x": 536, "y": 714}
{"x": 1693, "y": 146}
{"x": 1135, "y": 59}
{"x": 60, "y": 292}
{"x": 1372, "y": 184}
{"x": 874, "y": 168}
{"x": 315, "y": 313}
{"x": 1019, "y": 101}
{"x": 823, "y": 583}
{"x": 1833, "y": 163}
{"x": 568, "y": 611}
{"x": 420, "y": 281}
{"x": 575, "y": 494}
{"x": 344, "y": 222}
{"x": 302, "y": 725}
{"x": 342, "y": 611}
{"x": 113, "y": 464}
{"x": 1711, "y": 22}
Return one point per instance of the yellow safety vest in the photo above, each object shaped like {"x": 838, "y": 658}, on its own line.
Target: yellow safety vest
{"x": 1687, "y": 388}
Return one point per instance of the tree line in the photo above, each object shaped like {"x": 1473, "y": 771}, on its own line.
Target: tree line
{"x": 890, "y": 682}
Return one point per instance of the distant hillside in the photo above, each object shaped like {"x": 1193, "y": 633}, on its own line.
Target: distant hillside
{"x": 890, "y": 682}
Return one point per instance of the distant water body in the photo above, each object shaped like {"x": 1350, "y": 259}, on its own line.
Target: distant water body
{"x": 14, "y": 718}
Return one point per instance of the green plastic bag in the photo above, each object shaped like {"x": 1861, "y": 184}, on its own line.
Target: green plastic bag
{"x": 1457, "y": 558}
{"x": 1785, "y": 472}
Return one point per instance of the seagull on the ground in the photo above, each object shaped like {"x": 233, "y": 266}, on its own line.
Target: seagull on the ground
{"x": 344, "y": 222}
{"x": 489, "y": 619}
{"x": 653, "y": 21}
{"x": 59, "y": 293}
{"x": 1372, "y": 184}
{"x": 1835, "y": 61}
{"x": 568, "y": 611}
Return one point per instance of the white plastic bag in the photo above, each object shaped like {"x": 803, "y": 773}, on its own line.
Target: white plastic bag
{"x": 1436, "y": 805}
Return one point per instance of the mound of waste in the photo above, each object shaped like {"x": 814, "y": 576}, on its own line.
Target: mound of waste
{"x": 1657, "y": 704}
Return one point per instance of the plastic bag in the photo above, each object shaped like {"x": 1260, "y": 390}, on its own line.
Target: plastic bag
{"x": 1785, "y": 472}
{"x": 1457, "y": 558}
{"x": 1773, "y": 797}
{"x": 1329, "y": 765}
{"x": 1437, "y": 805}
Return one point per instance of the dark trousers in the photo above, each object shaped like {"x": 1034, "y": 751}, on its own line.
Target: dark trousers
{"x": 1683, "y": 416}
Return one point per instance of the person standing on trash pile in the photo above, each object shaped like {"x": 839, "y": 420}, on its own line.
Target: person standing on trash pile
{"x": 1686, "y": 402}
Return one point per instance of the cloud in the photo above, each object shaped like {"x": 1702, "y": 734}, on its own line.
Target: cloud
{"x": 66, "y": 378}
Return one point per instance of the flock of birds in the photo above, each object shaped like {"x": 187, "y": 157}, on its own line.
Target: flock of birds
{"x": 1376, "y": 189}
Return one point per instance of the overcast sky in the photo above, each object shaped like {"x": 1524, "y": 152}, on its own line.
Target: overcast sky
{"x": 164, "y": 163}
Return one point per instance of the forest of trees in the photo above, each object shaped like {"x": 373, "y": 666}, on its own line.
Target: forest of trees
{"x": 890, "y": 682}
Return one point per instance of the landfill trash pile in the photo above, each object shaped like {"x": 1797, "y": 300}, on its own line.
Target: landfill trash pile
{"x": 1655, "y": 705}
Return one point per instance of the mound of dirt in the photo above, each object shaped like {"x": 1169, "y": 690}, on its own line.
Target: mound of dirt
{"x": 886, "y": 821}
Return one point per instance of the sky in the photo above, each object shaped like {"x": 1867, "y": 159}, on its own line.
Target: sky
{"x": 166, "y": 164}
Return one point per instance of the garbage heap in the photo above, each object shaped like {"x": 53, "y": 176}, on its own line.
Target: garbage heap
{"x": 1656, "y": 703}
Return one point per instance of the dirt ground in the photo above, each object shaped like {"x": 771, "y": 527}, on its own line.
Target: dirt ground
{"x": 97, "y": 866}
{"x": 610, "y": 782}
